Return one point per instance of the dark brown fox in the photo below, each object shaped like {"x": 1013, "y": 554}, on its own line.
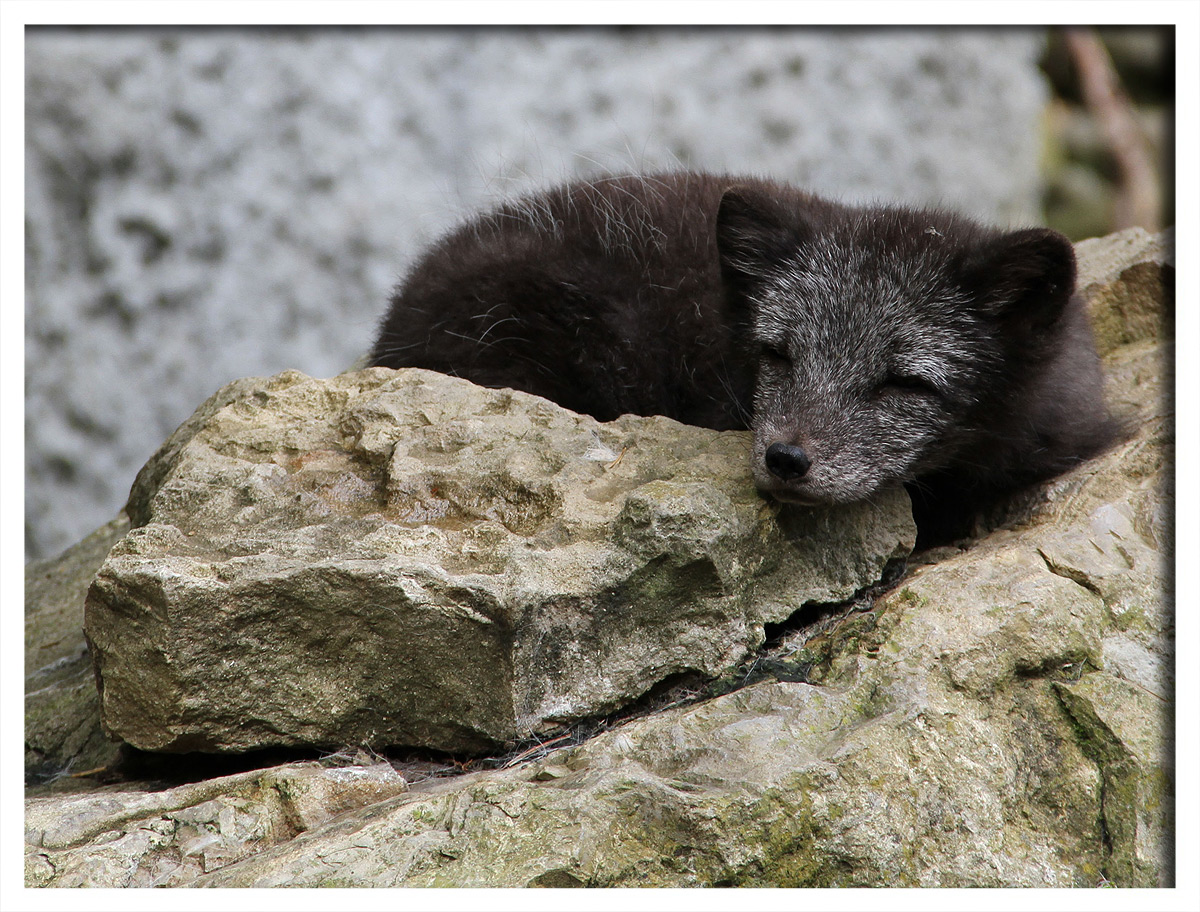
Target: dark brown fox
{"x": 863, "y": 346}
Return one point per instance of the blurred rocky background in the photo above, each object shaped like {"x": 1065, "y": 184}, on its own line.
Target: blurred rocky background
{"x": 209, "y": 204}
{"x": 1109, "y": 130}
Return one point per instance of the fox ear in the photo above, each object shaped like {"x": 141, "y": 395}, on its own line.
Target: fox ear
{"x": 753, "y": 236}
{"x": 1024, "y": 278}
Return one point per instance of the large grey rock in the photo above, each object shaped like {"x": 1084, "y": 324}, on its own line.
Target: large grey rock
{"x": 202, "y": 205}
{"x": 987, "y": 724}
{"x": 1003, "y": 717}
{"x": 403, "y": 558}
{"x": 973, "y": 729}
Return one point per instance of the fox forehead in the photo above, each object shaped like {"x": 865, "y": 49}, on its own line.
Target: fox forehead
{"x": 846, "y": 321}
{"x": 860, "y": 268}
{"x": 821, "y": 298}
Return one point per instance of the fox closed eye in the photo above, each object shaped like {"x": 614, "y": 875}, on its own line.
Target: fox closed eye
{"x": 776, "y": 355}
{"x": 897, "y": 383}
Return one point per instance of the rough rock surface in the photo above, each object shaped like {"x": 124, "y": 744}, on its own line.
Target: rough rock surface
{"x": 1124, "y": 277}
{"x": 179, "y": 833}
{"x": 403, "y": 558}
{"x": 1002, "y": 717}
{"x": 62, "y": 709}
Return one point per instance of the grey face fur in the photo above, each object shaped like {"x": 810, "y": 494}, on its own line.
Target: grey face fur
{"x": 867, "y": 359}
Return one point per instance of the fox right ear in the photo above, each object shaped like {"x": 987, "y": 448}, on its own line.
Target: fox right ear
{"x": 753, "y": 236}
{"x": 1024, "y": 277}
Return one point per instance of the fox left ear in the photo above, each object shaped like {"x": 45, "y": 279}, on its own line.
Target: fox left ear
{"x": 754, "y": 235}
{"x": 1024, "y": 277}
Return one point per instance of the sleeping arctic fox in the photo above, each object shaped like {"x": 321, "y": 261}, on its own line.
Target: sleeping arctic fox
{"x": 863, "y": 346}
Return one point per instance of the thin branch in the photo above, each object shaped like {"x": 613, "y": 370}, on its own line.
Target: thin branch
{"x": 1137, "y": 199}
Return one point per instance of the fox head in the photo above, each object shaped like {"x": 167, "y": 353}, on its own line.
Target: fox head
{"x": 885, "y": 340}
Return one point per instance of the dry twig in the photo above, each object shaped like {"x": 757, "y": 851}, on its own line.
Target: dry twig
{"x": 1137, "y": 198}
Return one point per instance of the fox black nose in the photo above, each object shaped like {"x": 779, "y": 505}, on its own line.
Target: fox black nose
{"x": 787, "y": 462}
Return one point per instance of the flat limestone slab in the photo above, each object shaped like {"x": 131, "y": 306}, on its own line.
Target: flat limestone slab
{"x": 403, "y": 558}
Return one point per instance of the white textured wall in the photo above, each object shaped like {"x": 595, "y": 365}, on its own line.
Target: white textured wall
{"x": 208, "y": 204}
